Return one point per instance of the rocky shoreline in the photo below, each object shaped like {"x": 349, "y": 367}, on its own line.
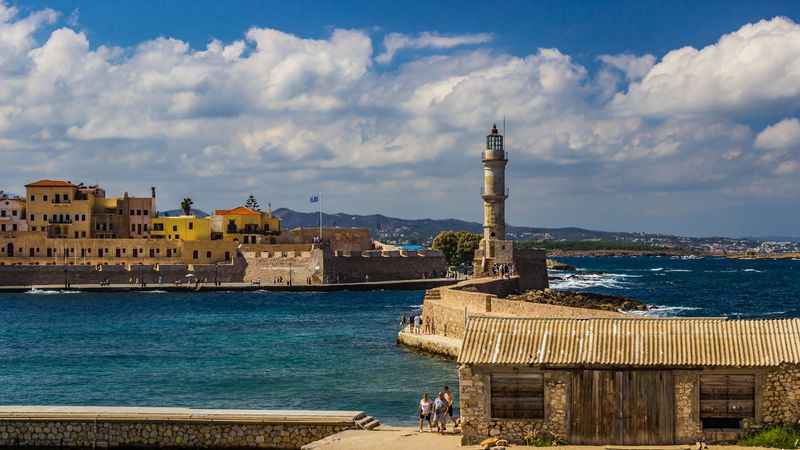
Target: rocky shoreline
{"x": 586, "y": 300}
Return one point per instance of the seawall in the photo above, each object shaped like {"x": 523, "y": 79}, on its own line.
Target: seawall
{"x": 117, "y": 427}
{"x": 430, "y": 343}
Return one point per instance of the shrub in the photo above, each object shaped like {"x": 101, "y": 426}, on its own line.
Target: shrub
{"x": 783, "y": 436}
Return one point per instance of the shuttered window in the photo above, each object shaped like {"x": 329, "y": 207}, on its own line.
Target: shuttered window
{"x": 730, "y": 397}
{"x": 518, "y": 396}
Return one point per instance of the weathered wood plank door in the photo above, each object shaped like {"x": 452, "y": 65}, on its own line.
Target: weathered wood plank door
{"x": 622, "y": 407}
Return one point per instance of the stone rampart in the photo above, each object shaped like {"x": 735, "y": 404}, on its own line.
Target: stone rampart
{"x": 780, "y": 392}
{"x": 377, "y": 266}
{"x": 99, "y": 427}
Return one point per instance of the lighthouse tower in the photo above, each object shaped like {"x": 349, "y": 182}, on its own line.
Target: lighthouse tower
{"x": 494, "y": 192}
{"x": 494, "y": 248}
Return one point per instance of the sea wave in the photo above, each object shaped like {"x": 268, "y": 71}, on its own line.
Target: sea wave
{"x": 36, "y": 291}
{"x": 592, "y": 280}
{"x": 664, "y": 310}
{"x": 752, "y": 270}
{"x": 657, "y": 269}
{"x": 678, "y": 270}
{"x": 156, "y": 291}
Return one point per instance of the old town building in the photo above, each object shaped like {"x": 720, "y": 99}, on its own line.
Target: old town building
{"x": 12, "y": 213}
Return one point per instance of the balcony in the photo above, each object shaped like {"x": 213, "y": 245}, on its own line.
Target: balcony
{"x": 60, "y": 221}
{"x": 61, "y": 202}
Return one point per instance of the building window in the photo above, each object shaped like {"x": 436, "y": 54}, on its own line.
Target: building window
{"x": 44, "y": 217}
{"x": 77, "y": 217}
{"x": 44, "y": 198}
{"x": 33, "y": 218}
{"x": 14, "y": 212}
{"x": 174, "y": 228}
{"x": 66, "y": 197}
{"x": 14, "y": 227}
{"x": 158, "y": 227}
{"x": 138, "y": 212}
{"x": 3, "y": 227}
{"x": 33, "y": 198}
{"x": 726, "y": 399}
{"x": 132, "y": 212}
{"x": 118, "y": 253}
{"x": 191, "y": 225}
{"x": 145, "y": 228}
{"x": 133, "y": 228}
{"x": 146, "y": 212}
{"x": 227, "y": 256}
{"x": 83, "y": 217}
{"x": 2, "y": 212}
{"x": 152, "y": 253}
{"x": 135, "y": 252}
{"x": 517, "y": 396}
{"x": 195, "y": 254}
{"x": 208, "y": 254}
{"x": 177, "y": 236}
{"x": 83, "y": 234}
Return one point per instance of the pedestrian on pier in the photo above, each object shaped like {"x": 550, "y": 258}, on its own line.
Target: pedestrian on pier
{"x": 417, "y": 323}
{"x": 424, "y": 412}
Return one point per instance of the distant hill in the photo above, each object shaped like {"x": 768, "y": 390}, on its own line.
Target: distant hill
{"x": 179, "y": 212}
{"x": 392, "y": 229}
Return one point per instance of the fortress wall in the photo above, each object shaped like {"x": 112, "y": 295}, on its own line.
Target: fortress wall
{"x": 26, "y": 275}
{"x": 299, "y": 267}
{"x": 373, "y": 266}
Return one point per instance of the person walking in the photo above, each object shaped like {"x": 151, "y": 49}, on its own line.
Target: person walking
{"x": 424, "y": 412}
{"x": 448, "y": 397}
{"x": 440, "y": 413}
{"x": 417, "y": 323}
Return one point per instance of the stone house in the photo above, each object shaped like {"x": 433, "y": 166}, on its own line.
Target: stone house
{"x": 627, "y": 381}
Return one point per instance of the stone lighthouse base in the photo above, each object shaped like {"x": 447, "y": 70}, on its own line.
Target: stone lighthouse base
{"x": 529, "y": 264}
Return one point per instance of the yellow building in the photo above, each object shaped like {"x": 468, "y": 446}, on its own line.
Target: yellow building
{"x": 245, "y": 225}
{"x": 61, "y": 209}
{"x": 187, "y": 228}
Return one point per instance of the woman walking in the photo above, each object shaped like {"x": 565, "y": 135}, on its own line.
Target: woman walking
{"x": 424, "y": 412}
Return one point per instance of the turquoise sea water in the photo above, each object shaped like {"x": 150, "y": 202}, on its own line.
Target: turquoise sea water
{"x": 306, "y": 350}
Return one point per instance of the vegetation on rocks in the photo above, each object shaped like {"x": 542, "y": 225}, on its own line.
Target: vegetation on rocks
{"x": 783, "y": 436}
{"x": 581, "y": 300}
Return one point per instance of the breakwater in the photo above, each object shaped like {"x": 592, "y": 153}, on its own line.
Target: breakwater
{"x": 119, "y": 427}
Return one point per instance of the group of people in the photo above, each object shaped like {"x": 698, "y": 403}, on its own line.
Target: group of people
{"x": 503, "y": 270}
{"x": 417, "y": 324}
{"x": 436, "y": 412}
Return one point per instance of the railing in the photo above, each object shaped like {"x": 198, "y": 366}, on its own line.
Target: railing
{"x": 61, "y": 202}
{"x": 60, "y": 221}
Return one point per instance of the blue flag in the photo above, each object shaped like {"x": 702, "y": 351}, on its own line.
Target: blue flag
{"x": 314, "y": 198}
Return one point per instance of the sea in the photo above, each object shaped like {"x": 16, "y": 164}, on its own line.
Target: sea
{"x": 333, "y": 350}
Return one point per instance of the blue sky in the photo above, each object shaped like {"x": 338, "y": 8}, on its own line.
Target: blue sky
{"x": 677, "y": 117}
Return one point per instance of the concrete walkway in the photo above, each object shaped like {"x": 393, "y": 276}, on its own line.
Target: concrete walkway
{"x": 420, "y": 284}
{"x": 446, "y": 346}
{"x": 408, "y": 438}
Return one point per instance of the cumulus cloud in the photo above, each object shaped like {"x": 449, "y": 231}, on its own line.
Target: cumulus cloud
{"x": 281, "y": 115}
{"x": 756, "y": 65}
{"x": 394, "y": 42}
{"x": 634, "y": 67}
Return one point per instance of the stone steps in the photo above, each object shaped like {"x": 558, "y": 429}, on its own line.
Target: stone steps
{"x": 367, "y": 423}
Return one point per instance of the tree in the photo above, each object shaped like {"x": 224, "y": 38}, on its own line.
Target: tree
{"x": 252, "y": 203}
{"x": 458, "y": 247}
{"x": 186, "y": 206}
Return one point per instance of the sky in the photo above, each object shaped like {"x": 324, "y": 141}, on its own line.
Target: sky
{"x": 673, "y": 117}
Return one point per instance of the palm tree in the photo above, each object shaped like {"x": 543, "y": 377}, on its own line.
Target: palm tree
{"x": 186, "y": 206}
{"x": 252, "y": 203}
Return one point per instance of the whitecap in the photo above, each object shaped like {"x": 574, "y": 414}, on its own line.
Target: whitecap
{"x": 37, "y": 291}
{"x": 752, "y": 270}
{"x": 156, "y": 291}
{"x": 678, "y": 270}
{"x": 663, "y": 310}
{"x": 592, "y": 280}
{"x": 657, "y": 269}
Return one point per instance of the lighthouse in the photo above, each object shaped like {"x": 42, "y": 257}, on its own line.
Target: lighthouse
{"x": 494, "y": 191}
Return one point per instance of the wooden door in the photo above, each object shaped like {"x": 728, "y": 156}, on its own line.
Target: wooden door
{"x": 622, "y": 407}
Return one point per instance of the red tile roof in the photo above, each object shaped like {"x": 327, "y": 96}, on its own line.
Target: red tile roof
{"x": 238, "y": 211}
{"x": 50, "y": 183}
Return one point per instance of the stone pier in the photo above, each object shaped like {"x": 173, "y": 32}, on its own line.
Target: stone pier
{"x": 114, "y": 427}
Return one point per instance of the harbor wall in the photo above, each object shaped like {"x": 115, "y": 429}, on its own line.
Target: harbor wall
{"x": 353, "y": 267}
{"x": 98, "y": 427}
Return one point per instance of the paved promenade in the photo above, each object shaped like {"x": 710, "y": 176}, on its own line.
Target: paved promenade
{"x": 419, "y": 284}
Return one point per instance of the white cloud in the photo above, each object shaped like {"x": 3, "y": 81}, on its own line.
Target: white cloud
{"x": 634, "y": 67}
{"x": 780, "y": 136}
{"x": 755, "y": 65}
{"x": 394, "y": 42}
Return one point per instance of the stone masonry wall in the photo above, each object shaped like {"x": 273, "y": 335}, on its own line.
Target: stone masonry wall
{"x": 780, "y": 395}
{"x": 110, "y": 434}
{"x": 372, "y": 266}
{"x": 446, "y": 320}
{"x": 688, "y": 428}
{"x": 476, "y": 421}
